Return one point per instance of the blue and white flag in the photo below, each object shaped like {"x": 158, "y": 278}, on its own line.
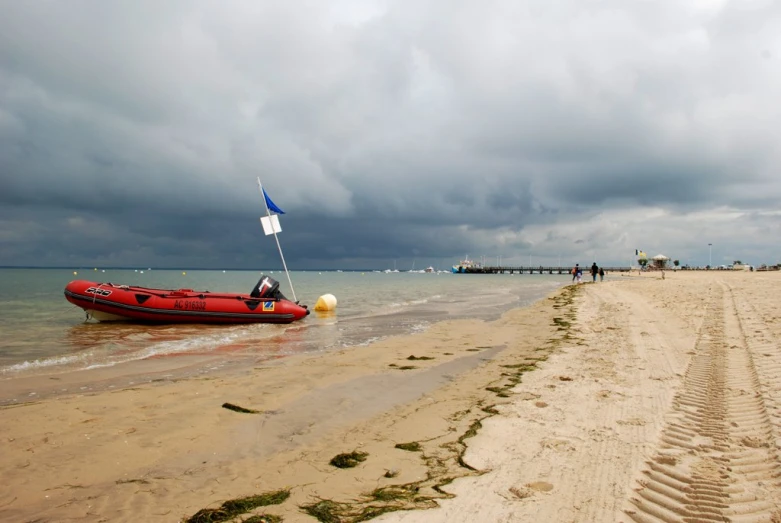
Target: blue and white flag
{"x": 270, "y": 222}
{"x": 271, "y": 225}
{"x": 271, "y": 205}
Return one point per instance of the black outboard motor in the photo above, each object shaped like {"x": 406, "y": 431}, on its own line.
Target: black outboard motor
{"x": 267, "y": 288}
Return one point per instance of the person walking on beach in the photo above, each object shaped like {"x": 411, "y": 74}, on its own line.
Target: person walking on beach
{"x": 601, "y": 274}
{"x": 594, "y": 272}
{"x": 574, "y": 271}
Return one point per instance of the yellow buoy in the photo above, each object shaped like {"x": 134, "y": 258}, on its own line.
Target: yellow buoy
{"x": 326, "y": 302}
{"x": 74, "y": 272}
{"x": 184, "y": 273}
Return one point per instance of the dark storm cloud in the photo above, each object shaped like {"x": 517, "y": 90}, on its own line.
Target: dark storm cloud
{"x": 131, "y": 133}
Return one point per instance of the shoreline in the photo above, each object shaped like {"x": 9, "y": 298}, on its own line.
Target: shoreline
{"x": 502, "y": 423}
{"x": 68, "y": 345}
{"x": 169, "y": 428}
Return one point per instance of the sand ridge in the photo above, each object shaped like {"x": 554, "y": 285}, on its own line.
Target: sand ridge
{"x": 717, "y": 456}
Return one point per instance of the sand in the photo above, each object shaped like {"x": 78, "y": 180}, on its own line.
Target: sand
{"x": 635, "y": 399}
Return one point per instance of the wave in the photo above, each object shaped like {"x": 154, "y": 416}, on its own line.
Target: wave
{"x": 125, "y": 348}
{"x": 39, "y": 364}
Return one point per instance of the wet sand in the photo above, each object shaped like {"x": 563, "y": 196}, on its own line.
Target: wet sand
{"x": 636, "y": 399}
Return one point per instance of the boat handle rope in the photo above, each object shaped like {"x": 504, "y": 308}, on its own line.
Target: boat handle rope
{"x": 94, "y": 297}
{"x": 95, "y": 294}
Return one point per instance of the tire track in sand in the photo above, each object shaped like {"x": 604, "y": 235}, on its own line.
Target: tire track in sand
{"x": 718, "y": 457}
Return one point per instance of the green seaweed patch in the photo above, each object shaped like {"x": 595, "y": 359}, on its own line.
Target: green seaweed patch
{"x": 413, "y": 446}
{"x": 123, "y": 481}
{"x": 394, "y": 493}
{"x": 490, "y": 410}
{"x": 373, "y": 511}
{"x": 460, "y": 414}
{"x": 371, "y": 505}
{"x": 407, "y": 367}
{"x": 473, "y": 350}
{"x": 325, "y": 510}
{"x": 521, "y": 367}
{"x": 235, "y": 507}
{"x": 236, "y": 408}
{"x": 416, "y": 358}
{"x": 447, "y": 353}
{"x": 471, "y": 431}
{"x": 348, "y": 460}
{"x": 495, "y": 390}
{"x": 400, "y": 497}
{"x": 444, "y": 482}
{"x": 263, "y": 518}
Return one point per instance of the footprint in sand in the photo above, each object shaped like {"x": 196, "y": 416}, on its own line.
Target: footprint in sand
{"x": 557, "y": 444}
{"x": 527, "y": 396}
{"x": 530, "y": 489}
{"x": 638, "y": 422}
{"x": 540, "y": 486}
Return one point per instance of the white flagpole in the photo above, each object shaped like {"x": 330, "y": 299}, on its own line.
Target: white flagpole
{"x": 268, "y": 213}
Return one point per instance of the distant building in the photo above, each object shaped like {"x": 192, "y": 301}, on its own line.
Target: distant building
{"x": 660, "y": 261}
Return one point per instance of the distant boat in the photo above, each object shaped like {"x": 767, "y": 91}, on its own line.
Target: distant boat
{"x": 464, "y": 266}
{"x": 429, "y": 269}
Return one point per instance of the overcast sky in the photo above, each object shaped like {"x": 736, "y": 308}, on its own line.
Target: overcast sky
{"x": 132, "y": 131}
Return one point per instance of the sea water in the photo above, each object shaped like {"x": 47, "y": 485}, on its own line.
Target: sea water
{"x": 43, "y": 334}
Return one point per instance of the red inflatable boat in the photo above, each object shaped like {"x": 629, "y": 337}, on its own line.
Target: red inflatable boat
{"x": 110, "y": 302}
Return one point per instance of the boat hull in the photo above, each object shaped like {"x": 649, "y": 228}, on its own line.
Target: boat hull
{"x": 110, "y": 302}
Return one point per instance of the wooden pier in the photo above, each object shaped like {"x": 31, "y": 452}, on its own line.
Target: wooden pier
{"x": 536, "y": 270}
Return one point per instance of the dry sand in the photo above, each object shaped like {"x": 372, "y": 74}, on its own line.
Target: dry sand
{"x": 636, "y": 399}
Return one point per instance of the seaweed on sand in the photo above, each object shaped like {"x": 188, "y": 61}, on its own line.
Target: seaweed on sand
{"x": 263, "y": 518}
{"x": 325, "y": 511}
{"x": 234, "y": 507}
{"x": 394, "y": 493}
{"x": 236, "y": 408}
{"x": 348, "y": 460}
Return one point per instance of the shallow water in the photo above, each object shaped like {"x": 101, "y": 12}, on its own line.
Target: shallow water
{"x": 43, "y": 334}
